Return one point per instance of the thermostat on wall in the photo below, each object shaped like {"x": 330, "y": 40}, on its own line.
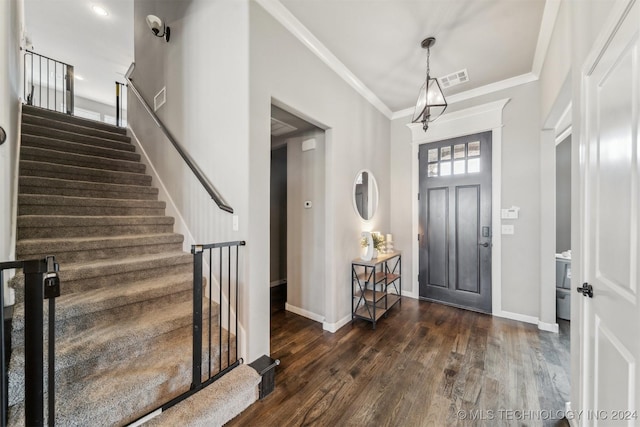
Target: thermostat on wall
{"x": 510, "y": 213}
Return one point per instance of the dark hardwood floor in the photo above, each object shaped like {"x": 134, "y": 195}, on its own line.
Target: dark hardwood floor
{"x": 426, "y": 364}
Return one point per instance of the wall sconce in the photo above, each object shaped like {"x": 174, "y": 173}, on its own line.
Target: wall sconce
{"x": 431, "y": 103}
{"x": 156, "y": 25}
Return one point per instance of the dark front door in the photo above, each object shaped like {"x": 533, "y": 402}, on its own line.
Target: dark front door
{"x": 455, "y": 222}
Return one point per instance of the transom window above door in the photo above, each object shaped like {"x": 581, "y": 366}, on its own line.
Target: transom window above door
{"x": 456, "y": 159}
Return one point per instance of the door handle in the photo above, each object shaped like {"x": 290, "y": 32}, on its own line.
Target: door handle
{"x": 485, "y": 244}
{"x": 586, "y": 290}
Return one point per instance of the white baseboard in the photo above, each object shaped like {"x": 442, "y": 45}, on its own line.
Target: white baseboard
{"x": 333, "y": 327}
{"x": 549, "y": 327}
{"x": 516, "y": 316}
{"x": 304, "y": 313}
{"x": 408, "y": 294}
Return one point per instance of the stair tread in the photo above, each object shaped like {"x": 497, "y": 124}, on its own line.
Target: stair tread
{"x": 80, "y": 168}
{"x": 95, "y": 300}
{"x": 56, "y": 200}
{"x": 70, "y": 183}
{"x": 116, "y": 165}
{"x": 66, "y": 118}
{"x": 128, "y": 263}
{"x": 46, "y": 220}
{"x": 77, "y": 147}
{"x": 211, "y": 406}
{"x": 48, "y": 123}
{"x": 106, "y": 240}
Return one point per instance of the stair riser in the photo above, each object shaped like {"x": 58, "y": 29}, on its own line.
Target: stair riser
{"x": 86, "y": 210}
{"x": 72, "y": 286}
{"x": 41, "y": 124}
{"x": 74, "y": 325}
{"x": 92, "y": 193}
{"x": 65, "y": 118}
{"x": 60, "y": 158}
{"x": 69, "y": 286}
{"x": 55, "y": 201}
{"x": 92, "y": 231}
{"x": 97, "y": 254}
{"x": 78, "y": 148}
{"x": 69, "y": 172}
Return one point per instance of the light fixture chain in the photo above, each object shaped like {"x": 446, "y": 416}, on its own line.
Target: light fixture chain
{"x": 428, "y": 55}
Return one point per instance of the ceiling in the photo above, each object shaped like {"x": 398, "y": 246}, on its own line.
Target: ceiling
{"x": 378, "y": 41}
{"x": 284, "y": 123}
{"x": 99, "y": 48}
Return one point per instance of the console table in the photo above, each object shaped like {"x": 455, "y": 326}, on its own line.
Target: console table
{"x": 376, "y": 286}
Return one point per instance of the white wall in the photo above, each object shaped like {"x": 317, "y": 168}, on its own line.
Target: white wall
{"x": 520, "y": 187}
{"x": 357, "y": 137}
{"x": 205, "y": 70}
{"x": 10, "y": 90}
{"x": 306, "y": 234}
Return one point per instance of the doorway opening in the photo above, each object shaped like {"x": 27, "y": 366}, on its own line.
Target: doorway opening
{"x": 297, "y": 220}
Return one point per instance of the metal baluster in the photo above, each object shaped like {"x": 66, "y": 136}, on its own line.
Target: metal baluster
{"x": 228, "y": 306}
{"x": 210, "y": 296}
{"x": 197, "y": 317}
{"x": 220, "y": 314}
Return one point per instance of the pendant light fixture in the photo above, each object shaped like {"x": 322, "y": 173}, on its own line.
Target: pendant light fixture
{"x": 431, "y": 103}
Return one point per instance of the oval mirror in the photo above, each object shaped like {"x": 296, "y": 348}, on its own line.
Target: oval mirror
{"x": 365, "y": 194}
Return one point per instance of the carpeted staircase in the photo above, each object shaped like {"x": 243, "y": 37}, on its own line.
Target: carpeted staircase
{"x": 123, "y": 322}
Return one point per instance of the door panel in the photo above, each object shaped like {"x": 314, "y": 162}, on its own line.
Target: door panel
{"x": 467, "y": 248}
{"x": 438, "y": 216}
{"x": 611, "y": 350}
{"x": 455, "y": 205}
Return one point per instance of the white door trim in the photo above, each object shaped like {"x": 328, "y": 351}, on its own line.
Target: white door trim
{"x": 472, "y": 120}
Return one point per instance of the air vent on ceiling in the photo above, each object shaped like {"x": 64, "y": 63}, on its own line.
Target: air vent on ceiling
{"x": 280, "y": 128}
{"x": 454, "y": 79}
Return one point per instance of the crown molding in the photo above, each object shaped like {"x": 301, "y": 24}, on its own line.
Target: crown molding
{"x": 278, "y": 11}
{"x": 302, "y": 33}
{"x": 548, "y": 23}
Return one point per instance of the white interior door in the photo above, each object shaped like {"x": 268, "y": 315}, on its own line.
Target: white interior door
{"x": 611, "y": 346}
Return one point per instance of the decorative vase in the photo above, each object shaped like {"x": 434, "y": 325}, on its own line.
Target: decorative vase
{"x": 367, "y": 252}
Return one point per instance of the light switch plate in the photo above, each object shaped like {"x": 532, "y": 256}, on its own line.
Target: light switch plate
{"x": 508, "y": 229}
{"x": 236, "y": 223}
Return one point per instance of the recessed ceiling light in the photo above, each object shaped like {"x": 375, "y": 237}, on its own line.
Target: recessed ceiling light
{"x": 101, "y": 11}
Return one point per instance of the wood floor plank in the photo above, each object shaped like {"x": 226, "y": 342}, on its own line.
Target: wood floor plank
{"x": 425, "y": 364}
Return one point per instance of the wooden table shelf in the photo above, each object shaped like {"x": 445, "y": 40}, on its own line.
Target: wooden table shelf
{"x": 376, "y": 286}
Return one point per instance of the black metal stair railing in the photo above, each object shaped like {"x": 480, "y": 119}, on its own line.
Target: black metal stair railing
{"x": 48, "y": 83}
{"x": 221, "y": 272}
{"x": 121, "y": 91}
{"x": 227, "y": 260}
{"x": 40, "y": 282}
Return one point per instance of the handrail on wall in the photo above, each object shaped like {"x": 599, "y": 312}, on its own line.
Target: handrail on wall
{"x": 208, "y": 186}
